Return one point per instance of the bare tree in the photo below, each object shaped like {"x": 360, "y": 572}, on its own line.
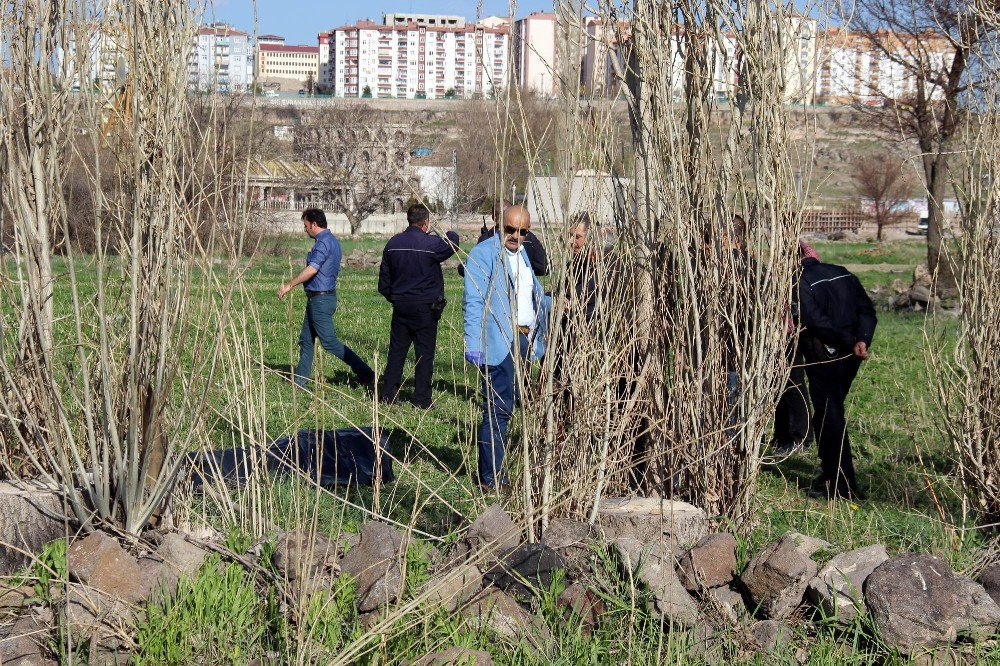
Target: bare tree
{"x": 363, "y": 156}
{"x": 930, "y": 47}
{"x": 882, "y": 180}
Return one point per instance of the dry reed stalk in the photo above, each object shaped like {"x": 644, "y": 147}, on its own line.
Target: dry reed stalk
{"x": 129, "y": 375}
{"x": 964, "y": 372}
{"x": 667, "y": 388}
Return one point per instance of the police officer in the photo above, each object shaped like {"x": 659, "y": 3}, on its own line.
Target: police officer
{"x": 410, "y": 278}
{"x": 839, "y": 320}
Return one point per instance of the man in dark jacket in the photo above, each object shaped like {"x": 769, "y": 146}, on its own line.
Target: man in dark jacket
{"x": 410, "y": 278}
{"x": 839, "y": 322}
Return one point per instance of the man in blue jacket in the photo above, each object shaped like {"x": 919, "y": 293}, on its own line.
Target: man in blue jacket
{"x": 410, "y": 278}
{"x": 505, "y": 314}
{"x": 319, "y": 279}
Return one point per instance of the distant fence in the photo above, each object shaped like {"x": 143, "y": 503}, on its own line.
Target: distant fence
{"x": 294, "y": 204}
{"x": 828, "y": 221}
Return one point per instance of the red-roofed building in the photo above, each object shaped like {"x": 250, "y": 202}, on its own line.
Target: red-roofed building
{"x": 286, "y": 67}
{"x": 413, "y": 60}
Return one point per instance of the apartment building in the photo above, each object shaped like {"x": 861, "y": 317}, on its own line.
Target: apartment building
{"x": 103, "y": 65}
{"x": 535, "y": 53}
{"x": 427, "y": 20}
{"x": 286, "y": 67}
{"x": 852, "y": 69}
{"x": 413, "y": 61}
{"x": 221, "y": 60}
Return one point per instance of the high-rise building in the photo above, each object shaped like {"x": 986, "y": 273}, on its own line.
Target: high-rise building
{"x": 413, "y": 60}
{"x": 535, "y": 53}
{"x": 428, "y": 20}
{"x": 221, "y": 59}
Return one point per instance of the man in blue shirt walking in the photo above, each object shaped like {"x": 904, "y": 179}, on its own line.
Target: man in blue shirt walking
{"x": 410, "y": 278}
{"x": 319, "y": 279}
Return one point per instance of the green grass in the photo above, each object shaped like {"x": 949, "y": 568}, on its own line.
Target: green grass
{"x": 900, "y": 455}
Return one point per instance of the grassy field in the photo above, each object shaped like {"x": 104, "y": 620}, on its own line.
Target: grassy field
{"x": 900, "y": 455}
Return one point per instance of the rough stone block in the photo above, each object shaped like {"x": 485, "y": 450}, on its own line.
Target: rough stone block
{"x": 653, "y": 565}
{"x": 837, "y": 588}
{"x": 709, "y": 563}
{"x": 98, "y": 561}
{"x": 652, "y": 519}
{"x": 776, "y": 578}
{"x": 30, "y": 517}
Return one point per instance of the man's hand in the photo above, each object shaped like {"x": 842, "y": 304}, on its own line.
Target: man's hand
{"x": 283, "y": 290}
{"x": 861, "y": 350}
{"x": 476, "y": 358}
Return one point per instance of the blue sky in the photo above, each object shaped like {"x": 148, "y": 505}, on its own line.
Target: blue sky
{"x": 299, "y": 20}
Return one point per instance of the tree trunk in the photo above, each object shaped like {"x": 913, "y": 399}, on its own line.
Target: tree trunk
{"x": 355, "y": 222}
{"x": 935, "y": 170}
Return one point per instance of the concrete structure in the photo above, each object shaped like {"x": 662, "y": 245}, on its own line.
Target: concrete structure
{"x": 598, "y": 194}
{"x": 221, "y": 60}
{"x": 270, "y": 39}
{"x": 437, "y": 184}
{"x": 413, "y": 61}
{"x": 535, "y": 53}
{"x": 287, "y": 67}
{"x": 402, "y": 19}
{"x": 495, "y": 22}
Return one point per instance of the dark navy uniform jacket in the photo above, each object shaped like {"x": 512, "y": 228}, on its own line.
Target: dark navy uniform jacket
{"x": 411, "y": 266}
{"x": 833, "y": 306}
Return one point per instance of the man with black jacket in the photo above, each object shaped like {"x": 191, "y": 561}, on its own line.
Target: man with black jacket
{"x": 410, "y": 278}
{"x": 839, "y": 322}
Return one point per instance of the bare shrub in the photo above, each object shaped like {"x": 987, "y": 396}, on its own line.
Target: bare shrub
{"x": 883, "y": 181}
{"x": 964, "y": 373}
{"x": 120, "y": 397}
{"x": 667, "y": 387}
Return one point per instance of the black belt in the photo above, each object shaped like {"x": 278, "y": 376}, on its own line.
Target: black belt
{"x": 310, "y": 294}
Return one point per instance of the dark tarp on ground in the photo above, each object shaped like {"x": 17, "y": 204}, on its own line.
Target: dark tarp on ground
{"x": 334, "y": 457}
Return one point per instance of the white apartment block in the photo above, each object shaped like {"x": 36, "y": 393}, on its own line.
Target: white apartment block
{"x": 221, "y": 60}
{"x": 535, "y": 53}
{"x": 851, "y": 69}
{"x": 102, "y": 66}
{"x": 428, "y": 20}
{"x": 286, "y": 67}
{"x": 413, "y": 61}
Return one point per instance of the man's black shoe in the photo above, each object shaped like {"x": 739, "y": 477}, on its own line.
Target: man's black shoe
{"x": 422, "y": 405}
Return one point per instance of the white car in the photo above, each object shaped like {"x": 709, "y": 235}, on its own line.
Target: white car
{"x": 270, "y": 93}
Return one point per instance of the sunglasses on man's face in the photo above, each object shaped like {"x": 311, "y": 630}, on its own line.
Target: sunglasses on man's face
{"x": 510, "y": 231}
